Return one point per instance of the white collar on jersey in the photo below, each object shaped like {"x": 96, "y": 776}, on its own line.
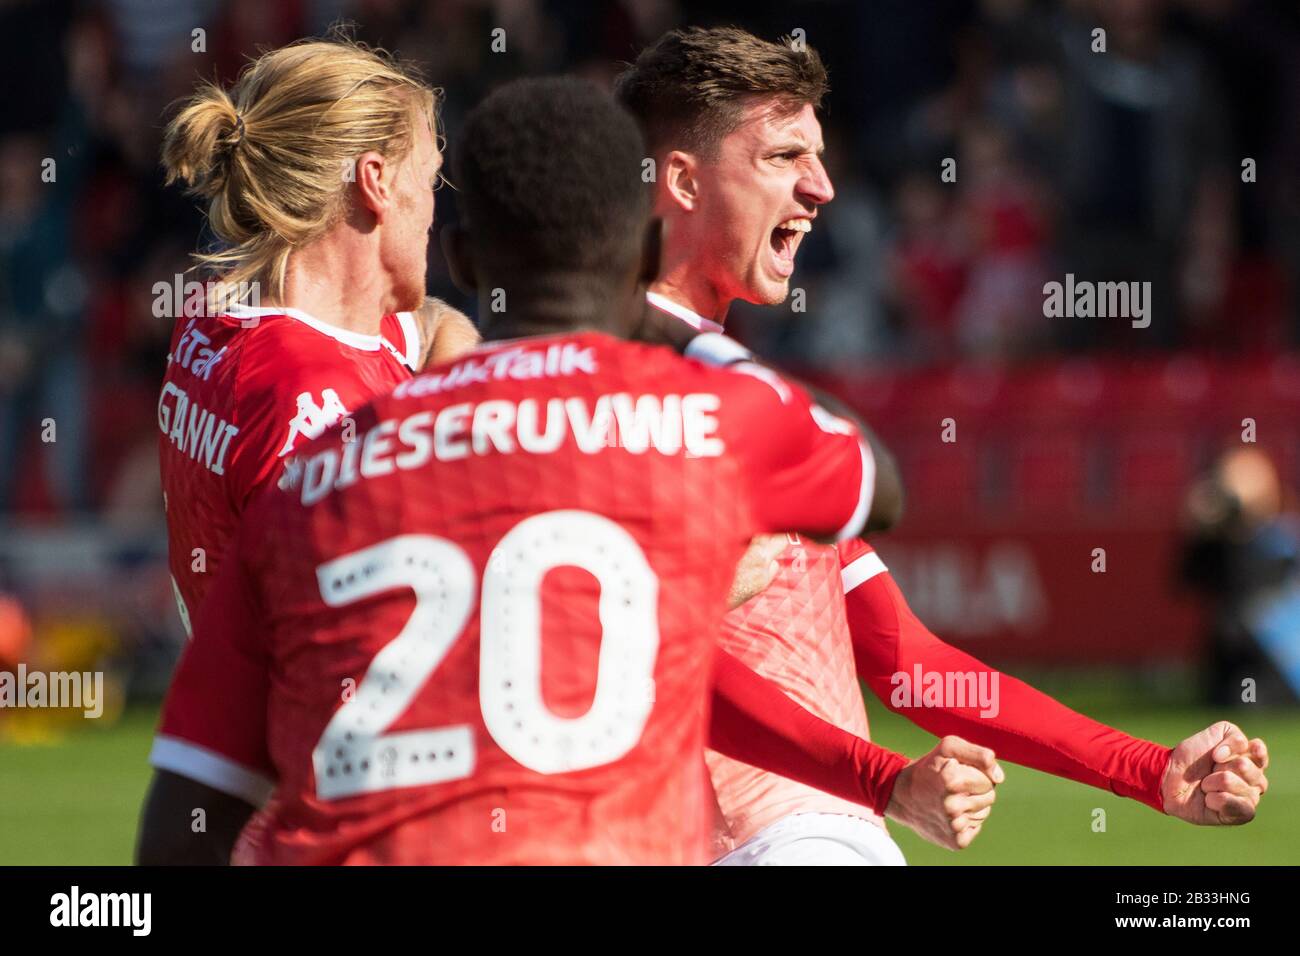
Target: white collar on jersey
{"x": 693, "y": 319}
{"x": 357, "y": 340}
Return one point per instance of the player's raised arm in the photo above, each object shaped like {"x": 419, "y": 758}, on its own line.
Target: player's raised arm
{"x": 1215, "y": 777}
{"x": 945, "y": 796}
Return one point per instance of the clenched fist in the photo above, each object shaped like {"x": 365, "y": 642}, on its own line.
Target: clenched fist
{"x": 947, "y": 795}
{"x": 1216, "y": 777}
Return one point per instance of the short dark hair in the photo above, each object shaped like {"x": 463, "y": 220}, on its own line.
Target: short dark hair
{"x": 548, "y": 175}
{"x": 690, "y": 87}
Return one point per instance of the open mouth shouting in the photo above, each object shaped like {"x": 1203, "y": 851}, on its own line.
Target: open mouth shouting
{"x": 785, "y": 239}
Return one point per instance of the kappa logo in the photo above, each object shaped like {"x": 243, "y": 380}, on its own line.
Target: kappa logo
{"x": 312, "y": 419}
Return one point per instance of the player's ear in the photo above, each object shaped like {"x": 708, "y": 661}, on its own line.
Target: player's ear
{"x": 679, "y": 179}
{"x": 460, "y": 258}
{"x": 651, "y": 246}
{"x": 372, "y": 175}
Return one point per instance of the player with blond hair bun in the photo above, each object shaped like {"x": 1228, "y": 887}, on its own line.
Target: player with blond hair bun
{"x": 318, "y": 168}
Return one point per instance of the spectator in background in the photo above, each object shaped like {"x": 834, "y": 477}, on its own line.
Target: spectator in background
{"x": 1242, "y": 551}
{"x": 1116, "y": 165}
{"x": 845, "y": 324}
{"x": 1236, "y": 281}
{"x": 132, "y": 487}
{"x": 927, "y": 265}
{"x": 1146, "y": 127}
{"x": 1004, "y": 226}
{"x": 42, "y": 364}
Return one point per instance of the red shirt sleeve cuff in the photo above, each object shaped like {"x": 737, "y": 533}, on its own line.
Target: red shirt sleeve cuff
{"x": 1142, "y": 773}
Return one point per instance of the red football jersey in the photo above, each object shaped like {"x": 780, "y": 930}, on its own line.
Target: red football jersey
{"x": 242, "y": 391}
{"x": 796, "y": 634}
{"x": 482, "y": 630}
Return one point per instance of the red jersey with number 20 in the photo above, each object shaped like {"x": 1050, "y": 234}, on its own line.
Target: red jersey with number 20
{"x": 482, "y": 631}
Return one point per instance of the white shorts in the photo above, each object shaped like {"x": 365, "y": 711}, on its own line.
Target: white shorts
{"x": 817, "y": 839}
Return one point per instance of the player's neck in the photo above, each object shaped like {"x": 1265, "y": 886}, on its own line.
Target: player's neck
{"x": 679, "y": 284}
{"x": 556, "y": 304}
{"x": 325, "y": 283}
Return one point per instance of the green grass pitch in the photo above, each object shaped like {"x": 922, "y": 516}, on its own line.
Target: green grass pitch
{"x": 77, "y": 801}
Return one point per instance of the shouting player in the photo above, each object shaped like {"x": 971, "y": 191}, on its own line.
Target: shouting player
{"x": 731, "y": 123}
{"x": 482, "y": 629}
{"x": 318, "y": 168}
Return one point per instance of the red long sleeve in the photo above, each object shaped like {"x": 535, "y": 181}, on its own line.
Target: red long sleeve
{"x": 1029, "y": 727}
{"x": 754, "y": 721}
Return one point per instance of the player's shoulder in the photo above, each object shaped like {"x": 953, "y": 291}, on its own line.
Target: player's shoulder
{"x": 710, "y": 358}
{"x": 735, "y": 372}
{"x": 652, "y": 368}
{"x": 597, "y": 360}
{"x": 851, "y": 549}
{"x": 859, "y": 563}
{"x": 285, "y": 351}
{"x": 264, "y": 329}
{"x": 713, "y": 364}
{"x": 532, "y": 364}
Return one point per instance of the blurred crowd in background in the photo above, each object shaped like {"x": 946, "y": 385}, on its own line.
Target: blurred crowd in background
{"x": 1123, "y": 166}
{"x": 1120, "y": 166}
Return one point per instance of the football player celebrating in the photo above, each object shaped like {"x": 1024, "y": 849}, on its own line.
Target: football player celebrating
{"x": 483, "y": 628}
{"x": 318, "y": 169}
{"x": 731, "y": 123}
